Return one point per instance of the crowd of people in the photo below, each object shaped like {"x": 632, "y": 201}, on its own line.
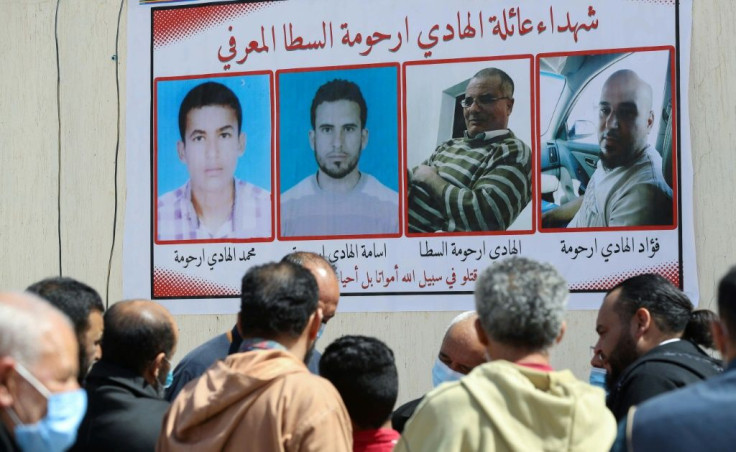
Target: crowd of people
{"x": 74, "y": 376}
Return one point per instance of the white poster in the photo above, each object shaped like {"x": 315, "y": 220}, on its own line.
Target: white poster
{"x": 412, "y": 144}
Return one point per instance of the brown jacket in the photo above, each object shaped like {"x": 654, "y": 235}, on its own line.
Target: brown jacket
{"x": 264, "y": 400}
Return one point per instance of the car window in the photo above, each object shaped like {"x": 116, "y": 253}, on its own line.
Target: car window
{"x": 651, "y": 66}
{"x": 551, "y": 85}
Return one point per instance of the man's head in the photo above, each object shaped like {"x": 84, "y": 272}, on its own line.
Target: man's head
{"x": 279, "y": 302}
{"x": 83, "y": 305}
{"x": 363, "y": 371}
{"x": 210, "y": 121}
{"x": 338, "y": 134}
{"x": 140, "y": 336}
{"x": 491, "y": 91}
{"x": 521, "y": 306}
{"x": 38, "y": 361}
{"x": 724, "y": 330}
{"x": 625, "y": 118}
{"x": 636, "y": 316}
{"x": 326, "y": 276}
{"x": 461, "y": 349}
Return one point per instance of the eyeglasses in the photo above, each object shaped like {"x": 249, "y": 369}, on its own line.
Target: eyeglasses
{"x": 483, "y": 99}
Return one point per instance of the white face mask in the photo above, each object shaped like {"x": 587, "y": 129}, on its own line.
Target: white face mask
{"x": 441, "y": 373}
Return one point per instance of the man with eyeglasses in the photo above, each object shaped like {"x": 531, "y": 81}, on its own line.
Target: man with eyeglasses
{"x": 627, "y": 187}
{"x": 481, "y": 181}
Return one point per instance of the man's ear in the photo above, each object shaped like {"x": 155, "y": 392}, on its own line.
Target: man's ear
{"x": 510, "y": 105}
{"x": 242, "y": 140}
{"x": 720, "y": 336}
{"x": 151, "y": 373}
{"x": 311, "y": 139}
{"x": 7, "y": 383}
{"x": 641, "y": 322}
{"x": 650, "y": 120}
{"x": 363, "y": 139}
{"x": 315, "y": 322}
{"x": 563, "y": 328}
{"x": 181, "y": 151}
{"x": 482, "y": 336}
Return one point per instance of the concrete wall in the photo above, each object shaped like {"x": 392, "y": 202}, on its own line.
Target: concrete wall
{"x": 72, "y": 152}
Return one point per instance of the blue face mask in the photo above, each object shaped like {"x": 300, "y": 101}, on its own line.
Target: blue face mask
{"x": 56, "y": 431}
{"x": 441, "y": 373}
{"x": 170, "y": 375}
{"x": 321, "y": 330}
{"x": 598, "y": 378}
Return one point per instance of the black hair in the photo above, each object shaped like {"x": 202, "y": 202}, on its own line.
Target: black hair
{"x": 507, "y": 83}
{"x": 363, "y": 370}
{"x": 339, "y": 90}
{"x": 277, "y": 299}
{"x": 74, "y": 298}
{"x": 669, "y": 306}
{"x": 206, "y": 94}
{"x": 727, "y": 301}
{"x": 132, "y": 340}
{"x": 698, "y": 328}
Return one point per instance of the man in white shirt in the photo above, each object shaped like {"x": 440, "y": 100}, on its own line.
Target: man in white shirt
{"x": 627, "y": 188}
{"x": 339, "y": 199}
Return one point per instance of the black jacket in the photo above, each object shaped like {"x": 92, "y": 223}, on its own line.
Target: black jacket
{"x": 662, "y": 369}
{"x": 124, "y": 412}
{"x": 6, "y": 440}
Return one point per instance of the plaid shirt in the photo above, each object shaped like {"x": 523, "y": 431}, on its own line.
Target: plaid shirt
{"x": 250, "y": 217}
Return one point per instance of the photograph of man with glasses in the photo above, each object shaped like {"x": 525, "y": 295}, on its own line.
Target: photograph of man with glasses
{"x": 482, "y": 180}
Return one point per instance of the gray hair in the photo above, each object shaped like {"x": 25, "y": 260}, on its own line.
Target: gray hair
{"x": 521, "y": 303}
{"x": 24, "y": 319}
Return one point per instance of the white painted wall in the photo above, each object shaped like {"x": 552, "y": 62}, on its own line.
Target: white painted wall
{"x": 29, "y": 165}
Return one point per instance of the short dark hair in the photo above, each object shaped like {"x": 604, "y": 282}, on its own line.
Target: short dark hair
{"x": 204, "y": 95}
{"x": 74, "y": 298}
{"x": 698, "y": 328}
{"x": 507, "y": 83}
{"x": 277, "y": 299}
{"x": 363, "y": 370}
{"x": 132, "y": 341}
{"x": 339, "y": 90}
{"x": 727, "y": 301}
{"x": 669, "y": 306}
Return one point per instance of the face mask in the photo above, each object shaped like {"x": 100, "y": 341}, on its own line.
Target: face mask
{"x": 598, "y": 378}
{"x": 441, "y": 373}
{"x": 56, "y": 431}
{"x": 321, "y": 330}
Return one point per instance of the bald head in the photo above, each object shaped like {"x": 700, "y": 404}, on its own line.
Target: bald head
{"x": 461, "y": 350}
{"x": 625, "y": 118}
{"x": 136, "y": 331}
{"x": 325, "y": 275}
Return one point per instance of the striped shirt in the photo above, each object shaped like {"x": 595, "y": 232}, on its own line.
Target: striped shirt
{"x": 250, "y": 217}
{"x": 489, "y": 179}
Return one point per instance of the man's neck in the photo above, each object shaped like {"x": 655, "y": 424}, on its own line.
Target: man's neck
{"x": 214, "y": 208}
{"x": 341, "y": 185}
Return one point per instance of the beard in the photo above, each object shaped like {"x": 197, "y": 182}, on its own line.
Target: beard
{"x": 337, "y": 170}
{"x": 622, "y": 356}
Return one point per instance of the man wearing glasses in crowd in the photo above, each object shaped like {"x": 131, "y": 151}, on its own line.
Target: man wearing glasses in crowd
{"x": 481, "y": 181}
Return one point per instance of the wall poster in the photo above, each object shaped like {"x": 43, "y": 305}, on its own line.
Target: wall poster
{"x": 412, "y": 143}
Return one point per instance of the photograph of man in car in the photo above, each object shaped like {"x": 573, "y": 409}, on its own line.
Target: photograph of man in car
{"x": 627, "y": 187}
